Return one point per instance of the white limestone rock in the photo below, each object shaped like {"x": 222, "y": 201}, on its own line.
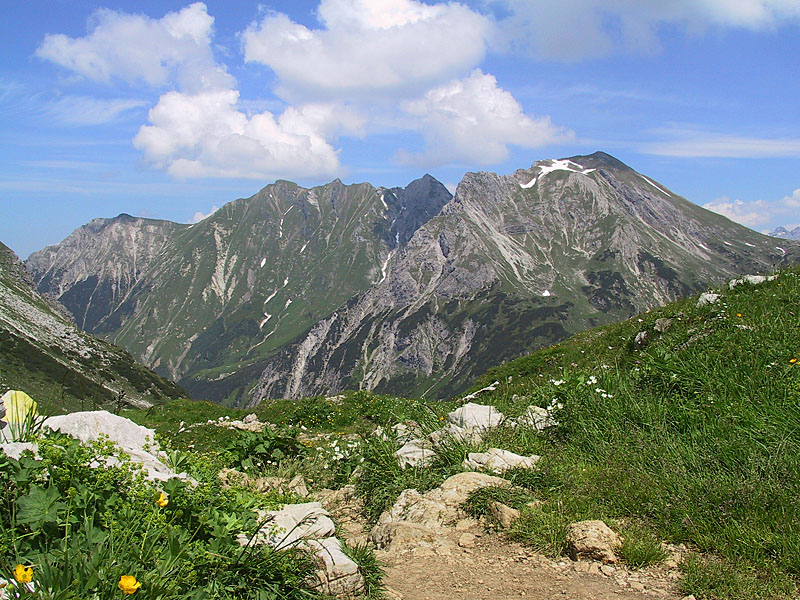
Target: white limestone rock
{"x": 537, "y": 417}
{"x": 499, "y": 461}
{"x": 414, "y": 453}
{"x": 470, "y": 435}
{"x": 291, "y": 525}
{"x": 751, "y": 279}
{"x": 15, "y": 449}
{"x": 503, "y": 514}
{"x": 136, "y": 441}
{"x": 337, "y": 574}
{"x": 479, "y": 416}
{"x": 707, "y": 298}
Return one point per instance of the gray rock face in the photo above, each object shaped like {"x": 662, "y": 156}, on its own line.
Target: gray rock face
{"x": 236, "y": 286}
{"x": 511, "y": 263}
{"x": 48, "y": 345}
{"x": 782, "y": 232}
{"x": 94, "y": 269}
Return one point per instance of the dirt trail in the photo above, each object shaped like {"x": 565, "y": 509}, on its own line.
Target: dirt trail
{"x": 497, "y": 569}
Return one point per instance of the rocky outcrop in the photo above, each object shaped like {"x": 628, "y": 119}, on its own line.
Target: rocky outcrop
{"x": 592, "y": 540}
{"x": 309, "y": 526}
{"x": 417, "y": 520}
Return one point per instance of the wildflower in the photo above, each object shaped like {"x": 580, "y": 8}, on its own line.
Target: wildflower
{"x": 792, "y": 361}
{"x": 23, "y": 574}
{"x": 739, "y": 314}
{"x": 162, "y": 500}
{"x": 128, "y": 584}
{"x": 592, "y": 379}
{"x": 557, "y": 382}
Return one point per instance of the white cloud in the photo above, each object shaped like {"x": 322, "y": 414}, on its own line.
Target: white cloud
{"x": 136, "y": 48}
{"x": 757, "y": 212}
{"x": 205, "y": 135}
{"x": 398, "y": 46}
{"x": 697, "y": 145}
{"x": 199, "y": 216}
{"x": 579, "y": 29}
{"x": 474, "y": 119}
{"x": 83, "y": 110}
{"x": 751, "y": 214}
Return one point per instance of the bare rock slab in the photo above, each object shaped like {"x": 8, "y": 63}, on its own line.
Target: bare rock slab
{"x": 292, "y": 524}
{"x": 592, "y": 540}
{"x": 414, "y": 454}
{"x": 337, "y": 574}
{"x": 499, "y": 461}
{"x": 480, "y": 416}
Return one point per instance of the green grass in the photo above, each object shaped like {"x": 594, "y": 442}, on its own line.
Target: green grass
{"x": 696, "y": 434}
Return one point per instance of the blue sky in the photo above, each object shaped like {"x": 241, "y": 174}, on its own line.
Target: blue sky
{"x": 170, "y": 109}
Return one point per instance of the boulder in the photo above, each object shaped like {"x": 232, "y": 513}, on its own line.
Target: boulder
{"x": 503, "y": 514}
{"x": 291, "y": 525}
{"x": 15, "y": 449}
{"x": 662, "y": 325}
{"x": 421, "y": 509}
{"x": 707, "y": 298}
{"x": 751, "y": 279}
{"x": 456, "y": 489}
{"x": 415, "y": 454}
{"x": 136, "y": 441}
{"x": 640, "y": 339}
{"x": 480, "y": 416}
{"x": 499, "y": 461}
{"x": 592, "y": 540}
{"x": 337, "y": 574}
{"x": 400, "y": 537}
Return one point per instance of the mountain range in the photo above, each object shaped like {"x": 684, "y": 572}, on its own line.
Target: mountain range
{"x": 302, "y": 291}
{"x": 786, "y": 234}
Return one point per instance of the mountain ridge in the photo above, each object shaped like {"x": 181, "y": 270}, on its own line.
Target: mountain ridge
{"x": 412, "y": 288}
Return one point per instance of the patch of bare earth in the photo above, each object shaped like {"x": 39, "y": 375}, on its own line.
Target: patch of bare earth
{"x": 497, "y": 569}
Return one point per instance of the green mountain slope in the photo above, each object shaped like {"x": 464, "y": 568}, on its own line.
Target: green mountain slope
{"x": 45, "y": 354}
{"x": 217, "y": 297}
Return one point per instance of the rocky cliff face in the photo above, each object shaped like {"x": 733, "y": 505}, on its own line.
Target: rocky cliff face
{"x": 94, "y": 269}
{"x": 300, "y": 291}
{"x": 513, "y": 263}
{"x": 220, "y": 295}
{"x": 44, "y": 353}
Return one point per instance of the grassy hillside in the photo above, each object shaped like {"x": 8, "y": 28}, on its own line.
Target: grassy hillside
{"x": 694, "y": 435}
{"x": 687, "y": 434}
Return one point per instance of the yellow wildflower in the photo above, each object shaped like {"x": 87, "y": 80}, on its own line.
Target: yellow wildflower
{"x": 792, "y": 361}
{"x": 738, "y": 314}
{"x": 23, "y": 574}
{"x": 162, "y": 500}
{"x": 128, "y": 584}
